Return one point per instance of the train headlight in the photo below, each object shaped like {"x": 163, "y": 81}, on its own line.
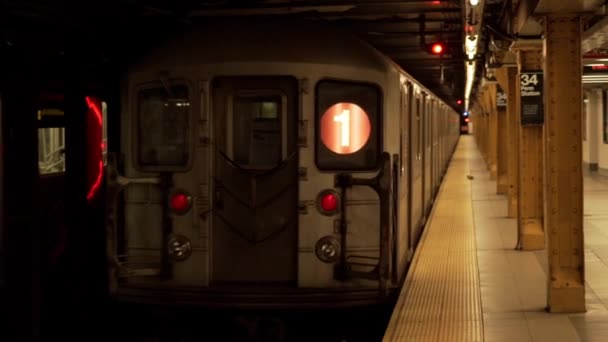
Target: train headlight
{"x": 179, "y": 248}
{"x": 328, "y": 202}
{"x": 327, "y": 249}
{"x": 180, "y": 201}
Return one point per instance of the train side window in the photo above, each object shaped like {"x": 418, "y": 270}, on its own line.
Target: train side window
{"x": 163, "y": 126}
{"x": 51, "y": 141}
{"x": 348, "y": 122}
{"x": 257, "y": 131}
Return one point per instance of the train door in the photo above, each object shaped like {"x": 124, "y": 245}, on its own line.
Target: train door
{"x": 427, "y": 155}
{"x": 51, "y": 169}
{"x": 254, "y": 233}
{"x": 2, "y": 223}
{"x": 415, "y": 172}
{"x": 432, "y": 146}
{"x": 404, "y": 172}
{"x": 423, "y": 152}
{"x": 434, "y": 150}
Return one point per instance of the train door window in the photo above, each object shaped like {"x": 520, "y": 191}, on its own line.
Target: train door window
{"x": 163, "y": 126}
{"x": 51, "y": 141}
{"x": 348, "y": 121}
{"x": 257, "y": 133}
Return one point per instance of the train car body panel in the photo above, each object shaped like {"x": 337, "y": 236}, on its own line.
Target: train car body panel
{"x": 236, "y": 138}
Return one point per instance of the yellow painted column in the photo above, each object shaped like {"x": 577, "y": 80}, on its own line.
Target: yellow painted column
{"x": 480, "y": 122}
{"x": 502, "y": 183}
{"x": 482, "y": 136}
{"x": 492, "y": 129}
{"x": 530, "y": 196}
{"x": 513, "y": 138}
{"x": 486, "y": 129}
{"x": 563, "y": 163}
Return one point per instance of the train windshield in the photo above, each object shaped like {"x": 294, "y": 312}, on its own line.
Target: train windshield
{"x": 163, "y": 114}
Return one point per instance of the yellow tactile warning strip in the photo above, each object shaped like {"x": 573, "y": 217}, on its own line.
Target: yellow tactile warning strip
{"x": 440, "y": 300}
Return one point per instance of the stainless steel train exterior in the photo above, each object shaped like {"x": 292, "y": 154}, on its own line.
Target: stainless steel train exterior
{"x": 267, "y": 166}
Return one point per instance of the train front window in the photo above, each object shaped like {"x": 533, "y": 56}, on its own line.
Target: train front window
{"x": 257, "y": 131}
{"x": 163, "y": 126}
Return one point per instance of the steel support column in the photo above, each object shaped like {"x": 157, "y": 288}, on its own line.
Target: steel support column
{"x": 563, "y": 167}
{"x": 502, "y": 174}
{"x": 530, "y": 196}
{"x": 492, "y": 129}
{"x": 513, "y": 137}
{"x": 486, "y": 128}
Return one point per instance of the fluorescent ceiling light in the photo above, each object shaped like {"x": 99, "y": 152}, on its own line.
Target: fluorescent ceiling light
{"x": 471, "y": 46}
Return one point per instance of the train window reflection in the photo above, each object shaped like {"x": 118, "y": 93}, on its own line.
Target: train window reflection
{"x": 257, "y": 131}
{"x": 51, "y": 142}
{"x": 51, "y": 147}
{"x": 163, "y": 126}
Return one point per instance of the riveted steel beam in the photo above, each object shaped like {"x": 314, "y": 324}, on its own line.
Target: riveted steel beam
{"x": 563, "y": 166}
{"x": 513, "y": 137}
{"x": 530, "y": 196}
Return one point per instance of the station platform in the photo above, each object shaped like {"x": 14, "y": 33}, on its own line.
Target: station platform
{"x": 467, "y": 282}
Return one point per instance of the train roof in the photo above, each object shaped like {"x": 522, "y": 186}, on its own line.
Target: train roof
{"x": 263, "y": 40}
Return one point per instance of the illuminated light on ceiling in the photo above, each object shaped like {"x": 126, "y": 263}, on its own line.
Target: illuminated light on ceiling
{"x": 469, "y": 83}
{"x": 474, "y": 2}
{"x": 594, "y": 79}
{"x": 471, "y": 46}
{"x": 437, "y": 48}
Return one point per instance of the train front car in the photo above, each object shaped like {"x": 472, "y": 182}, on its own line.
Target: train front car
{"x": 256, "y": 171}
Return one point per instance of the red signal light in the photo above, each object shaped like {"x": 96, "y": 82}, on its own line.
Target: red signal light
{"x": 437, "y": 48}
{"x": 328, "y": 202}
{"x": 466, "y": 119}
{"x": 459, "y": 102}
{"x": 180, "y": 202}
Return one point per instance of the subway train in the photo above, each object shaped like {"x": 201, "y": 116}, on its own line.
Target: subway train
{"x": 268, "y": 165}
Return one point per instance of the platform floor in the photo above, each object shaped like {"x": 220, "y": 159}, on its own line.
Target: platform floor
{"x": 506, "y": 298}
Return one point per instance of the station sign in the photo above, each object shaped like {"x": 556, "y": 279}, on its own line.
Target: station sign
{"x": 501, "y": 98}
{"x": 531, "y": 94}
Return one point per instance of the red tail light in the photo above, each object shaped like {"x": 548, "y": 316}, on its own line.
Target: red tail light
{"x": 180, "y": 202}
{"x": 328, "y": 202}
{"x": 95, "y": 146}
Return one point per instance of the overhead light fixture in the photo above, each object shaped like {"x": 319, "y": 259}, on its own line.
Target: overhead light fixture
{"x": 469, "y": 83}
{"x": 471, "y": 46}
{"x": 436, "y": 48}
{"x": 474, "y": 2}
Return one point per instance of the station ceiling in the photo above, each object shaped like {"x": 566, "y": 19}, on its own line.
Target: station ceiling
{"x": 399, "y": 28}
